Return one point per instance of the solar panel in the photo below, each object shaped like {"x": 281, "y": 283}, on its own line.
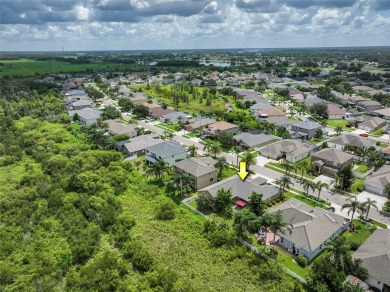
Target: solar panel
{"x": 330, "y": 217}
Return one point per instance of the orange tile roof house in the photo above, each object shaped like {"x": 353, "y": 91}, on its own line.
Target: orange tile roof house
{"x": 271, "y": 112}
{"x": 151, "y": 106}
{"x": 221, "y": 126}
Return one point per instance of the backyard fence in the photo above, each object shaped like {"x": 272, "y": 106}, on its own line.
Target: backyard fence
{"x": 363, "y": 175}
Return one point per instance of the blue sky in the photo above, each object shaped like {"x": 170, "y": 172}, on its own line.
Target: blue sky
{"x": 191, "y": 24}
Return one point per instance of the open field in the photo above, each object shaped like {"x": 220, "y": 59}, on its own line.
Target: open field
{"x": 26, "y": 67}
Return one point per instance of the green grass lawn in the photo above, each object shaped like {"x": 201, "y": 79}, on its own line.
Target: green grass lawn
{"x": 283, "y": 258}
{"x": 191, "y": 135}
{"x": 228, "y": 173}
{"x": 342, "y": 123}
{"x": 363, "y": 168}
{"x": 384, "y": 145}
{"x": 193, "y": 106}
{"x": 360, "y": 235}
{"x": 378, "y": 132}
{"x": 168, "y": 127}
{"x": 316, "y": 140}
{"x": 27, "y": 67}
{"x": 356, "y": 182}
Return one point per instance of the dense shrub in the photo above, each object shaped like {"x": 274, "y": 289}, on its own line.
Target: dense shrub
{"x": 301, "y": 260}
{"x": 165, "y": 210}
{"x": 354, "y": 245}
{"x": 360, "y": 188}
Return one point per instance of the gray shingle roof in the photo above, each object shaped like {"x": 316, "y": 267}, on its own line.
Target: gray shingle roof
{"x": 312, "y": 226}
{"x": 380, "y": 178}
{"x": 167, "y": 148}
{"x": 291, "y": 147}
{"x": 89, "y": 113}
{"x": 197, "y": 166}
{"x": 253, "y": 140}
{"x": 361, "y": 142}
{"x": 375, "y": 253}
{"x": 243, "y": 189}
{"x": 333, "y": 155}
{"x": 307, "y": 125}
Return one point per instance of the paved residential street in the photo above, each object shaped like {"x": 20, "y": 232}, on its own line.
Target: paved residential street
{"x": 336, "y": 200}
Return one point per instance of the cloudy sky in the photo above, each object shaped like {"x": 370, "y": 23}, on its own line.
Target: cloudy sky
{"x": 191, "y": 24}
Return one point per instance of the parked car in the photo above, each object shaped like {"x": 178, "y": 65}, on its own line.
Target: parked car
{"x": 363, "y": 134}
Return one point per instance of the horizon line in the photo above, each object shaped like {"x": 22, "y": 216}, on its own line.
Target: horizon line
{"x": 193, "y": 49}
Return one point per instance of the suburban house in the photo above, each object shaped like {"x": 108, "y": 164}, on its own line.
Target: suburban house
{"x": 386, "y": 153}
{"x": 358, "y": 142}
{"x": 174, "y": 118}
{"x": 383, "y": 113}
{"x": 311, "y": 100}
{"x": 377, "y": 181}
{"x": 198, "y": 123}
{"x": 169, "y": 151}
{"x": 151, "y": 106}
{"x": 139, "y": 98}
{"x": 201, "y": 169}
{"x": 80, "y": 104}
{"x": 371, "y": 124}
{"x": 375, "y": 254}
{"x": 329, "y": 161}
{"x": 312, "y": 228}
{"x": 336, "y": 113}
{"x": 305, "y": 130}
{"x": 87, "y": 116}
{"x": 279, "y": 121}
{"x": 116, "y": 127}
{"x": 270, "y": 112}
{"x": 137, "y": 145}
{"x": 254, "y": 109}
{"x": 242, "y": 190}
{"x": 158, "y": 112}
{"x": 291, "y": 150}
{"x": 219, "y": 127}
{"x": 369, "y": 105}
{"x": 249, "y": 141}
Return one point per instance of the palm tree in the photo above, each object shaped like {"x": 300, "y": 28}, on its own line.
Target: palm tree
{"x": 339, "y": 250}
{"x": 319, "y": 185}
{"x": 284, "y": 182}
{"x": 319, "y": 133}
{"x": 140, "y": 131}
{"x": 278, "y": 224}
{"x": 287, "y": 165}
{"x": 221, "y": 165}
{"x": 158, "y": 169}
{"x": 339, "y": 130}
{"x": 207, "y": 146}
{"x": 307, "y": 184}
{"x": 250, "y": 159}
{"x": 348, "y": 148}
{"x": 303, "y": 165}
{"x": 270, "y": 128}
{"x": 181, "y": 181}
{"x": 246, "y": 221}
{"x": 370, "y": 203}
{"x": 215, "y": 150}
{"x": 352, "y": 206}
{"x": 168, "y": 134}
{"x": 192, "y": 149}
{"x": 237, "y": 150}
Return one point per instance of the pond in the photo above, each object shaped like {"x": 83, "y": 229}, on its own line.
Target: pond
{"x": 216, "y": 64}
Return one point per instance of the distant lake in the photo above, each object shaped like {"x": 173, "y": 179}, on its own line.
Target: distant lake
{"x": 216, "y": 64}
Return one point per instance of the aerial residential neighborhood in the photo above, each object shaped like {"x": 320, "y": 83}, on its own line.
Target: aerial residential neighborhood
{"x": 195, "y": 145}
{"x": 325, "y": 180}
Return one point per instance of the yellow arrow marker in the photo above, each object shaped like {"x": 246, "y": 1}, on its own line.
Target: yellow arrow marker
{"x": 242, "y": 173}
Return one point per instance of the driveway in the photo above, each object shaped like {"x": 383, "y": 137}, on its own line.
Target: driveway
{"x": 325, "y": 179}
{"x": 363, "y": 196}
{"x": 359, "y": 131}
